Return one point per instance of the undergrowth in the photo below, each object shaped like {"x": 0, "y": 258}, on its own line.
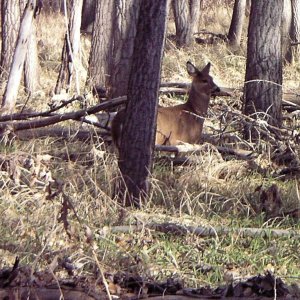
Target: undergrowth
{"x": 56, "y": 198}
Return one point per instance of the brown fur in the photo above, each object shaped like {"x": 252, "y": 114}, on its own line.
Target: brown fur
{"x": 180, "y": 123}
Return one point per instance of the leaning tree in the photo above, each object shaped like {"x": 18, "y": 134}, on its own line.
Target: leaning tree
{"x": 19, "y": 55}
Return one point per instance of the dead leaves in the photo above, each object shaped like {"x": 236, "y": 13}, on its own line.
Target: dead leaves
{"x": 24, "y": 169}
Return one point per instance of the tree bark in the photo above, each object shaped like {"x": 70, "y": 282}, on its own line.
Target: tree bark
{"x": 186, "y": 14}
{"x": 126, "y": 16}
{"x": 71, "y": 61}
{"x": 100, "y": 60}
{"x": 237, "y": 21}
{"x": 10, "y": 23}
{"x": 295, "y": 28}
{"x": 137, "y": 142}
{"x": 31, "y": 65}
{"x": 14, "y": 79}
{"x": 263, "y": 85}
{"x": 286, "y": 31}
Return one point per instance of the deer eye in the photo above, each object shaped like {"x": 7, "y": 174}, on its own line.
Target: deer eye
{"x": 205, "y": 80}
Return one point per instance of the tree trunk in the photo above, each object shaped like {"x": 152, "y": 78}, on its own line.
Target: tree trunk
{"x": 186, "y": 14}
{"x": 263, "y": 86}
{"x": 126, "y": 16}
{"x": 100, "y": 60}
{"x": 31, "y": 66}
{"x": 137, "y": 142}
{"x": 71, "y": 61}
{"x": 112, "y": 46}
{"x": 10, "y": 23}
{"x": 295, "y": 28}
{"x": 286, "y": 31}
{"x": 237, "y": 21}
{"x": 14, "y": 79}
{"x": 88, "y": 15}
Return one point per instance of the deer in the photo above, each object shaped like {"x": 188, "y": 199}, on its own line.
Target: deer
{"x": 181, "y": 123}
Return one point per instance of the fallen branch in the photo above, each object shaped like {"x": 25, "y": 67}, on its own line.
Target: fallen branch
{"x": 61, "y": 132}
{"x": 25, "y": 116}
{"x": 77, "y": 115}
{"x": 205, "y": 231}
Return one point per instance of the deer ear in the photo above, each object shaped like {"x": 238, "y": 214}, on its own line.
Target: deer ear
{"x": 191, "y": 69}
{"x": 206, "y": 69}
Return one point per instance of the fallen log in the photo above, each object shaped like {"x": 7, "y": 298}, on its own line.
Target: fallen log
{"x": 61, "y": 132}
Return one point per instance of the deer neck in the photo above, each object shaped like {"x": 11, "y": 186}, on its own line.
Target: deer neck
{"x": 198, "y": 102}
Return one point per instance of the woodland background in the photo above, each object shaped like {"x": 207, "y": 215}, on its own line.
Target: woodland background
{"x": 59, "y": 215}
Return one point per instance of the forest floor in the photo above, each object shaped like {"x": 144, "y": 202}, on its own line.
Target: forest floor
{"x": 223, "y": 224}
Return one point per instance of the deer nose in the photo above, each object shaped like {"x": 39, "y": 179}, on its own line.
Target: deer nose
{"x": 216, "y": 89}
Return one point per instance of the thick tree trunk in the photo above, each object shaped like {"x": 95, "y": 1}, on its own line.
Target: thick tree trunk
{"x": 237, "y": 21}
{"x": 137, "y": 142}
{"x": 186, "y": 14}
{"x": 263, "y": 86}
{"x": 10, "y": 23}
{"x": 126, "y": 16}
{"x": 100, "y": 60}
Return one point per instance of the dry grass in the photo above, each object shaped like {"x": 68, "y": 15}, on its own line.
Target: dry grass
{"x": 213, "y": 191}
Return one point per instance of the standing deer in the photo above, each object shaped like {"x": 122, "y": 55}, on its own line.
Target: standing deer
{"x": 181, "y": 123}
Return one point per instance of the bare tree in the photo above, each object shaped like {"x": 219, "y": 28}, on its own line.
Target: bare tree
{"x": 71, "y": 50}
{"x": 290, "y": 29}
{"x": 286, "y": 26}
{"x": 237, "y": 22}
{"x": 186, "y": 14}
{"x": 263, "y": 85}
{"x": 10, "y": 23}
{"x": 31, "y": 66}
{"x": 14, "y": 79}
{"x": 112, "y": 45}
{"x": 137, "y": 143}
{"x": 295, "y": 28}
